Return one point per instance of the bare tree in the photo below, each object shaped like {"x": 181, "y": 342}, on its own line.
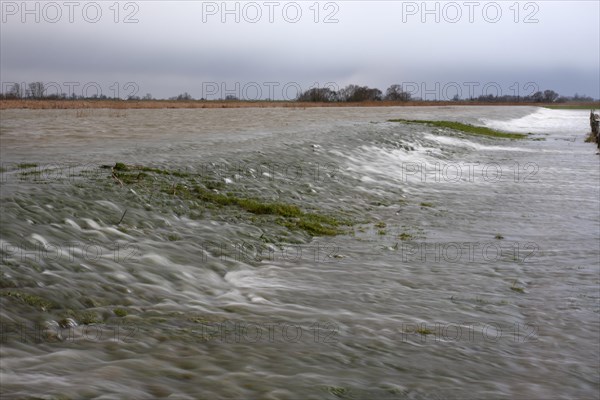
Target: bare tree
{"x": 550, "y": 96}
{"x": 347, "y": 93}
{"x": 182, "y": 97}
{"x": 354, "y": 93}
{"x": 318, "y": 95}
{"x": 396, "y": 93}
{"x": 537, "y": 97}
{"x": 15, "y": 92}
{"x": 36, "y": 90}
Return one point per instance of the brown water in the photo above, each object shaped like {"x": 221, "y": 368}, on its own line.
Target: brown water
{"x": 483, "y": 282}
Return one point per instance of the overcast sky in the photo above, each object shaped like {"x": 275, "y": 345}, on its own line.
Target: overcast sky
{"x": 276, "y": 48}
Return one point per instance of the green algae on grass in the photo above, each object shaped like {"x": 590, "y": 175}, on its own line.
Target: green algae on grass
{"x": 292, "y": 216}
{"x": 572, "y": 106}
{"x": 253, "y": 206}
{"x": 120, "y": 167}
{"x": 89, "y": 317}
{"x": 517, "y": 289}
{"x": 405, "y": 236}
{"x": 315, "y": 228}
{"x": 338, "y": 391}
{"x": 466, "y": 128}
{"x": 591, "y": 138}
{"x": 26, "y": 165}
{"x": 120, "y": 312}
{"x": 129, "y": 178}
{"x": 305, "y": 223}
{"x": 31, "y": 300}
{"x": 288, "y": 215}
{"x": 424, "y": 331}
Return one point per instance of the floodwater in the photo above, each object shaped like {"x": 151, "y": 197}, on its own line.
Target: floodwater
{"x": 471, "y": 269}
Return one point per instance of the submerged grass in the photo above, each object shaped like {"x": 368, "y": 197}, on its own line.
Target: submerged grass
{"x": 120, "y": 312}
{"x": 424, "y": 331}
{"x": 288, "y": 215}
{"x": 591, "y": 138}
{"x": 31, "y": 300}
{"x": 466, "y": 128}
{"x": 516, "y": 288}
{"x": 26, "y": 165}
{"x": 405, "y": 236}
{"x": 251, "y": 205}
{"x": 574, "y": 106}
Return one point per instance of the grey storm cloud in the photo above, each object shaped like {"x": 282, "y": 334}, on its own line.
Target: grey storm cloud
{"x": 174, "y": 47}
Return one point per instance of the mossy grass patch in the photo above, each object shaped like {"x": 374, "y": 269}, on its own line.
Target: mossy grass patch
{"x": 466, "y": 128}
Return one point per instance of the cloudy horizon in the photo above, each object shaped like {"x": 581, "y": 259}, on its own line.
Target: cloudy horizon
{"x": 275, "y": 49}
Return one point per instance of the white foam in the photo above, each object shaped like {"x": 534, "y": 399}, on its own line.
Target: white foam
{"x": 156, "y": 259}
{"x": 544, "y": 120}
{"x": 40, "y": 239}
{"x": 109, "y": 204}
{"x": 250, "y": 279}
{"x": 91, "y": 223}
{"x": 72, "y": 224}
{"x": 459, "y": 142}
{"x": 385, "y": 166}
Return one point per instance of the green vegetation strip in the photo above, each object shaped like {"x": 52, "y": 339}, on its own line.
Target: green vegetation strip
{"x": 574, "y": 106}
{"x": 31, "y": 300}
{"x": 288, "y": 215}
{"x": 466, "y": 128}
{"x": 291, "y": 216}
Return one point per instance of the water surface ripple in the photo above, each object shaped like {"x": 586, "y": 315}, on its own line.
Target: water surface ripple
{"x": 471, "y": 270}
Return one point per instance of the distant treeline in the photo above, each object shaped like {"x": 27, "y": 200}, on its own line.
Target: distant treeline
{"x": 355, "y": 93}
{"x": 348, "y": 94}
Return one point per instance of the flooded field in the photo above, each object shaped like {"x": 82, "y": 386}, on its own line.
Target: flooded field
{"x": 298, "y": 254}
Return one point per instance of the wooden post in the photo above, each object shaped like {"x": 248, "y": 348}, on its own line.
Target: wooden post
{"x": 595, "y": 125}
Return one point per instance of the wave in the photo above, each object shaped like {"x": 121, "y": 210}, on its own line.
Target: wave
{"x": 465, "y": 143}
{"x": 543, "y": 120}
